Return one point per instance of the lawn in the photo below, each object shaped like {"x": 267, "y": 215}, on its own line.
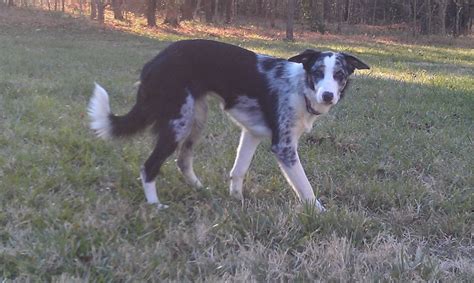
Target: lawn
{"x": 392, "y": 163}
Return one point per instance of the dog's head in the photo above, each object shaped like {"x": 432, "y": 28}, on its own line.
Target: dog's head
{"x": 327, "y": 73}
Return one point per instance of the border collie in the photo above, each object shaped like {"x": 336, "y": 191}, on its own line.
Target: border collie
{"x": 267, "y": 97}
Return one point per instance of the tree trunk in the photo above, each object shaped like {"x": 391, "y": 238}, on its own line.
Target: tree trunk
{"x": 11, "y": 3}
{"x": 93, "y": 9}
{"x": 172, "y": 14}
{"x": 273, "y": 9}
{"x": 81, "y": 6}
{"x": 117, "y": 8}
{"x": 208, "y": 10}
{"x": 374, "y": 12}
{"x": 290, "y": 20}
{"x": 228, "y": 11}
{"x": 259, "y": 8}
{"x": 150, "y": 13}
{"x": 457, "y": 22}
{"x": 321, "y": 26}
{"x": 442, "y": 6}
{"x": 198, "y": 7}
{"x": 100, "y": 11}
{"x": 348, "y": 14}
{"x": 414, "y": 17}
{"x": 216, "y": 10}
{"x": 430, "y": 14}
{"x": 187, "y": 10}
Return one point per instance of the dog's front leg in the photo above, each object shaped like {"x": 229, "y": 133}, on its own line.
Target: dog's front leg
{"x": 247, "y": 146}
{"x": 290, "y": 165}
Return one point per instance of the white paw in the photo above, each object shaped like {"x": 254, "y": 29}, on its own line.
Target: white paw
{"x": 319, "y": 206}
{"x": 236, "y": 194}
{"x": 197, "y": 184}
{"x": 161, "y": 206}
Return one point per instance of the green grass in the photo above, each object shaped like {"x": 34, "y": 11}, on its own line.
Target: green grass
{"x": 392, "y": 163}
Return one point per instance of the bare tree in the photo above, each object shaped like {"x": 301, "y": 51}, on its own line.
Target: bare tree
{"x": 150, "y": 13}
{"x": 172, "y": 14}
{"x": 208, "y": 11}
{"x": 101, "y": 10}
{"x": 93, "y": 9}
{"x": 442, "y": 6}
{"x": 187, "y": 10}
{"x": 290, "y": 20}
{"x": 117, "y": 8}
{"x": 228, "y": 11}
{"x": 273, "y": 12}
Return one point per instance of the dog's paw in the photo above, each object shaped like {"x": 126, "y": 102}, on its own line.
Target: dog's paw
{"x": 193, "y": 181}
{"x": 319, "y": 206}
{"x": 236, "y": 194}
{"x": 161, "y": 206}
{"x": 197, "y": 184}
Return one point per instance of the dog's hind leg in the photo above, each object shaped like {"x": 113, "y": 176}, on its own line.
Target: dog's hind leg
{"x": 171, "y": 132}
{"x": 165, "y": 146}
{"x": 185, "y": 156}
{"x": 247, "y": 146}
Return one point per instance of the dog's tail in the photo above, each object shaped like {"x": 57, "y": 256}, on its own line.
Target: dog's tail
{"x": 107, "y": 125}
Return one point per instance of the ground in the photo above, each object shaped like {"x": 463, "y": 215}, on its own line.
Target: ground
{"x": 392, "y": 163}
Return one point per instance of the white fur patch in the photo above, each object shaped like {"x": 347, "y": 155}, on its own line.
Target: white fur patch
{"x": 328, "y": 83}
{"x": 247, "y": 113}
{"x": 150, "y": 192}
{"x": 99, "y": 112}
{"x": 295, "y": 70}
{"x": 182, "y": 125}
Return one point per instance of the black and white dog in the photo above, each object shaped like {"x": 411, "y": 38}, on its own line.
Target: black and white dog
{"x": 265, "y": 96}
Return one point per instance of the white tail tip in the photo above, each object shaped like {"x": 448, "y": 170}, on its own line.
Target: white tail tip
{"x": 99, "y": 112}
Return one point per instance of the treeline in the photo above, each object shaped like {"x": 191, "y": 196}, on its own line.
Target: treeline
{"x": 425, "y": 17}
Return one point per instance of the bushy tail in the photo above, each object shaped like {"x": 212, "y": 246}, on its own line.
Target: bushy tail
{"x": 107, "y": 125}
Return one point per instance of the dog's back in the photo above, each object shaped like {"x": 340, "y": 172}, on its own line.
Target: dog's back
{"x": 202, "y": 66}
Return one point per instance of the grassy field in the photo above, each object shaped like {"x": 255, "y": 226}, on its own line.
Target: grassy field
{"x": 392, "y": 163}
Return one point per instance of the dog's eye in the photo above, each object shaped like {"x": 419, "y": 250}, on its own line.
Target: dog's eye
{"x": 339, "y": 75}
{"x": 318, "y": 74}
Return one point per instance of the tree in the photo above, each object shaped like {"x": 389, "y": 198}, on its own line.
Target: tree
{"x": 313, "y": 14}
{"x": 150, "y": 13}
{"x": 273, "y": 12}
{"x": 117, "y": 8}
{"x": 208, "y": 11}
{"x": 228, "y": 11}
{"x": 93, "y": 9}
{"x": 100, "y": 10}
{"x": 290, "y": 19}
{"x": 442, "y": 6}
{"x": 187, "y": 10}
{"x": 172, "y": 14}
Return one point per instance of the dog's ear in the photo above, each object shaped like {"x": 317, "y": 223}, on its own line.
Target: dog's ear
{"x": 307, "y": 58}
{"x": 354, "y": 63}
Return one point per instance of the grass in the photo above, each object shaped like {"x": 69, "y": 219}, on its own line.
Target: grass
{"x": 392, "y": 163}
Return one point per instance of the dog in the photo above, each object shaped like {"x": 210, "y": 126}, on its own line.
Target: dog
{"x": 266, "y": 97}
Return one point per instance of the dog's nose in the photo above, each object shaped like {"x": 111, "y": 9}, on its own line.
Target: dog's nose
{"x": 328, "y": 96}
